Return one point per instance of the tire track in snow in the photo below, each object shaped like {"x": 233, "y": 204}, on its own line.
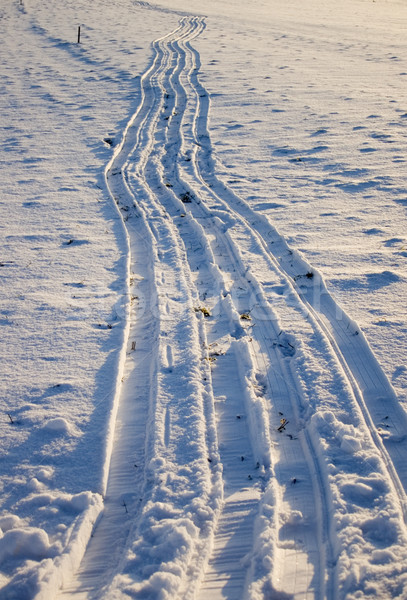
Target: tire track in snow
{"x": 210, "y": 252}
{"x": 144, "y": 427}
{"x": 325, "y": 346}
{"x": 363, "y": 375}
{"x": 225, "y": 574}
{"x": 371, "y": 388}
{"x": 181, "y": 438}
{"x": 246, "y": 494}
{"x": 129, "y": 441}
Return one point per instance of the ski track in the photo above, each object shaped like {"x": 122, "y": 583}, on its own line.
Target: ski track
{"x": 201, "y": 260}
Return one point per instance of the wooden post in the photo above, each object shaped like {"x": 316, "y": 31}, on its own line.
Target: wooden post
{"x": 79, "y": 34}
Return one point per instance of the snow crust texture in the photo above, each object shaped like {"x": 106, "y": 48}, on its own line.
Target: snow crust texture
{"x": 243, "y": 440}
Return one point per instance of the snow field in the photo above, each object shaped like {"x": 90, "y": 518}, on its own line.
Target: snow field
{"x": 245, "y": 439}
{"x": 315, "y": 128}
{"x": 348, "y": 442}
{"x": 63, "y": 302}
{"x": 177, "y": 196}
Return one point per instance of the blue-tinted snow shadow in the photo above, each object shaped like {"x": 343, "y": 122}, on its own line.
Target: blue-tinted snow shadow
{"x": 371, "y": 282}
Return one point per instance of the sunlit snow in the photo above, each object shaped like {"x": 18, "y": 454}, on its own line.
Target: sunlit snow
{"x": 203, "y": 300}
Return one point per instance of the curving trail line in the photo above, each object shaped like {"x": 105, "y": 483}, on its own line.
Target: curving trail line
{"x": 226, "y": 315}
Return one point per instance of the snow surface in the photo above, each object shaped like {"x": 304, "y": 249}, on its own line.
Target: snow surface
{"x": 203, "y": 300}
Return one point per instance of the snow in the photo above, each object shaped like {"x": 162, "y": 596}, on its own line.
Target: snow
{"x": 203, "y": 300}
{"x": 29, "y": 542}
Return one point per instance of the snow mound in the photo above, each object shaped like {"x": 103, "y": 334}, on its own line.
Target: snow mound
{"x": 294, "y": 517}
{"x": 73, "y": 503}
{"x": 10, "y": 522}
{"x": 44, "y": 474}
{"x": 59, "y": 425}
{"x": 35, "y": 485}
{"x": 26, "y": 542}
{"x": 350, "y": 444}
{"x": 345, "y": 435}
